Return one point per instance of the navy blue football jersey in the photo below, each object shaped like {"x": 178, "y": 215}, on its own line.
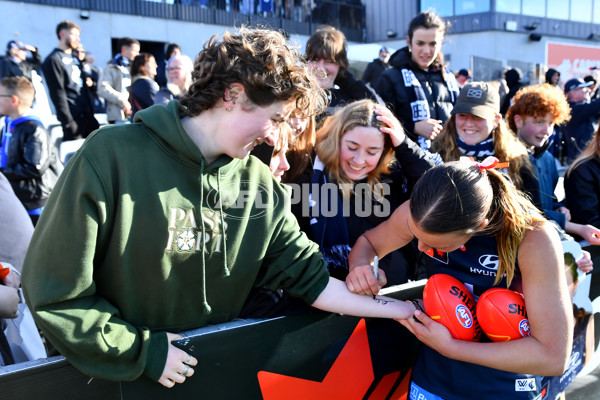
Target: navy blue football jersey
{"x": 476, "y": 266}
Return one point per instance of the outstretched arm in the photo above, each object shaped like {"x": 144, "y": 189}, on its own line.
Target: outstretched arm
{"x": 383, "y": 239}
{"x": 337, "y": 298}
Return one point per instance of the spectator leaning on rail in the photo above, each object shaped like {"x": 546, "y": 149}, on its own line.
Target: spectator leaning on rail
{"x": 173, "y": 230}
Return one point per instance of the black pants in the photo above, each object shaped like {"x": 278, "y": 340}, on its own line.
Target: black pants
{"x": 86, "y": 124}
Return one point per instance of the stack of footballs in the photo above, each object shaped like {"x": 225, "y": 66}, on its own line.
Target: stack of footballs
{"x": 499, "y": 313}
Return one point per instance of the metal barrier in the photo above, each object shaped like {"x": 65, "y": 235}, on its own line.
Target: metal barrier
{"x": 253, "y": 359}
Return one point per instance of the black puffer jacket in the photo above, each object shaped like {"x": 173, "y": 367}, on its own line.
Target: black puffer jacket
{"x": 582, "y": 191}
{"x": 8, "y": 67}
{"x": 581, "y": 127}
{"x": 348, "y": 89}
{"x": 32, "y": 164}
{"x": 392, "y": 89}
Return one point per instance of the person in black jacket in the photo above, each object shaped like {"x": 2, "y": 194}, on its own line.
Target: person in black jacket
{"x": 514, "y": 81}
{"x": 71, "y": 97}
{"x": 16, "y": 62}
{"x": 418, "y": 88}
{"x": 173, "y": 49}
{"x": 327, "y": 55}
{"x": 376, "y": 67}
{"x": 584, "y": 117}
{"x": 143, "y": 86}
{"x": 28, "y": 158}
{"x": 582, "y": 185}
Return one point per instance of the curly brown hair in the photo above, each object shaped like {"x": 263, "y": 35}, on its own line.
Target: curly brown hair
{"x": 538, "y": 101}
{"x": 261, "y": 61}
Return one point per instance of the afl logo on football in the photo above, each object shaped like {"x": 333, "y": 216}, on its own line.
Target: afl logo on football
{"x": 489, "y": 261}
{"x": 463, "y": 314}
{"x": 524, "y": 328}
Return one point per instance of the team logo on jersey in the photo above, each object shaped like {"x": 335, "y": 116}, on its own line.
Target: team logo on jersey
{"x": 525, "y": 385}
{"x": 489, "y": 261}
{"x": 438, "y": 255}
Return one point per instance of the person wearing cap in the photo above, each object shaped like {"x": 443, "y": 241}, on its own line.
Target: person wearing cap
{"x": 476, "y": 129}
{"x": 584, "y": 117}
{"x": 419, "y": 88}
{"x": 16, "y": 62}
{"x": 462, "y": 77}
{"x": 376, "y": 67}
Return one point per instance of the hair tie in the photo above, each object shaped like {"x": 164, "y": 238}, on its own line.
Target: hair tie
{"x": 488, "y": 163}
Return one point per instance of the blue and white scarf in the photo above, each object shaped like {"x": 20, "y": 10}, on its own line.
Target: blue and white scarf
{"x": 418, "y": 100}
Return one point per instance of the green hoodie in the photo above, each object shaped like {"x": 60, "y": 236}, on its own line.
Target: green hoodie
{"x": 116, "y": 260}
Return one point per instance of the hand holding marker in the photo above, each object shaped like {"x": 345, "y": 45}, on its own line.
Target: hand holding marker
{"x": 376, "y": 269}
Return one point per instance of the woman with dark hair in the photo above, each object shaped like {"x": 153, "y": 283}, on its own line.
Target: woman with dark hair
{"x": 419, "y": 88}
{"x": 474, "y": 225}
{"x": 175, "y": 224}
{"x": 143, "y": 87}
{"x": 552, "y": 77}
{"x": 514, "y": 81}
{"x": 327, "y": 55}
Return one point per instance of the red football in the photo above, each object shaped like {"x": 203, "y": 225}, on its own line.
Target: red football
{"x": 502, "y": 315}
{"x": 449, "y": 302}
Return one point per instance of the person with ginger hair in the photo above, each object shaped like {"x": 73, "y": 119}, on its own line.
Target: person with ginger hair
{"x": 532, "y": 116}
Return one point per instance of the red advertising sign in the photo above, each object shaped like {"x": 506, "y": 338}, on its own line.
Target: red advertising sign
{"x": 572, "y": 61}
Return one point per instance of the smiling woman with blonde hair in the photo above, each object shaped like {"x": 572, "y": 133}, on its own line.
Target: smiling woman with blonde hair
{"x": 365, "y": 167}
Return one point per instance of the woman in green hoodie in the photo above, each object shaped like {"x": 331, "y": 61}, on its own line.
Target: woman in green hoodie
{"x": 166, "y": 224}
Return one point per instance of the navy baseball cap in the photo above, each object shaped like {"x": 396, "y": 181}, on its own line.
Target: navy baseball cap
{"x": 464, "y": 72}
{"x": 576, "y": 83}
{"x": 14, "y": 44}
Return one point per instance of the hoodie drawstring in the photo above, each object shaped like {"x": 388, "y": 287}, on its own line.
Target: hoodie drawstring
{"x": 204, "y": 300}
{"x": 225, "y": 268}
